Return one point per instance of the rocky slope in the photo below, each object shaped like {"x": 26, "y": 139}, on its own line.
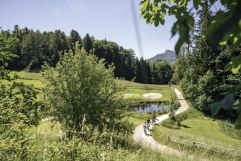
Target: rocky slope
{"x": 169, "y": 56}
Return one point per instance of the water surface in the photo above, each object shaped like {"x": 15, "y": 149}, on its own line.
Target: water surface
{"x": 151, "y": 107}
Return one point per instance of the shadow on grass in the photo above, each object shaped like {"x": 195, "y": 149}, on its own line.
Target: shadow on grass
{"x": 185, "y": 126}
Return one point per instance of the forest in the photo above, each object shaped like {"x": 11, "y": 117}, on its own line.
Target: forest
{"x": 34, "y": 48}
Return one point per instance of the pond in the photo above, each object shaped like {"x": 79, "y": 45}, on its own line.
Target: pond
{"x": 151, "y": 107}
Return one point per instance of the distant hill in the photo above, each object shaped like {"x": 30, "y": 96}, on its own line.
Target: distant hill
{"x": 169, "y": 56}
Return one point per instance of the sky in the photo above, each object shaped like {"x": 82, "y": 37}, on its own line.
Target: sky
{"x": 110, "y": 19}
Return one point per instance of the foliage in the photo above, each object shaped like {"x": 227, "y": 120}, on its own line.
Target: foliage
{"x": 7, "y": 48}
{"x": 142, "y": 71}
{"x": 33, "y": 48}
{"x": 121, "y": 58}
{"x": 218, "y": 29}
{"x": 18, "y": 106}
{"x": 200, "y": 71}
{"x": 226, "y": 26}
{"x": 88, "y": 43}
{"x": 161, "y": 72}
{"x": 77, "y": 149}
{"x": 238, "y": 122}
{"x": 230, "y": 129}
{"x": 18, "y": 111}
{"x": 84, "y": 95}
{"x": 74, "y": 38}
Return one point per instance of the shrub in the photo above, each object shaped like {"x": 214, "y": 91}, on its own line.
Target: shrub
{"x": 230, "y": 129}
{"x": 18, "y": 111}
{"x": 84, "y": 95}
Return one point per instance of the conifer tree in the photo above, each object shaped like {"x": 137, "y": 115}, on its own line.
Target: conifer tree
{"x": 74, "y": 37}
{"x": 87, "y": 43}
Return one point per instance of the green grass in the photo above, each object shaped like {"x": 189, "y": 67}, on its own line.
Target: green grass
{"x": 133, "y": 92}
{"x": 206, "y": 130}
{"x": 203, "y": 130}
{"x": 137, "y": 118}
{"x": 47, "y": 130}
{"x": 36, "y": 83}
{"x": 28, "y": 78}
{"x": 29, "y": 75}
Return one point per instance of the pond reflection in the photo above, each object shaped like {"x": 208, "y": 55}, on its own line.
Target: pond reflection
{"x": 151, "y": 107}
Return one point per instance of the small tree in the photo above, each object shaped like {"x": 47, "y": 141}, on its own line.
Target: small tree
{"x": 83, "y": 94}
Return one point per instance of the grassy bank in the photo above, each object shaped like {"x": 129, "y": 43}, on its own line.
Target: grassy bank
{"x": 195, "y": 135}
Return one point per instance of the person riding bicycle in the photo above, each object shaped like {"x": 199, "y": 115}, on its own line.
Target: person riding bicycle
{"x": 154, "y": 117}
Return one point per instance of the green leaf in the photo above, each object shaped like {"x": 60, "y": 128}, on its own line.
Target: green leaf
{"x": 225, "y": 23}
{"x": 174, "y": 28}
{"x": 222, "y": 43}
{"x": 234, "y": 65}
{"x": 173, "y": 10}
{"x": 146, "y": 4}
{"x": 179, "y": 44}
{"x": 156, "y": 21}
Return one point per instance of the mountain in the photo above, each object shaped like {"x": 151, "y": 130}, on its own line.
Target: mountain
{"x": 169, "y": 56}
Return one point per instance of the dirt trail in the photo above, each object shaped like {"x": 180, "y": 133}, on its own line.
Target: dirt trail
{"x": 148, "y": 141}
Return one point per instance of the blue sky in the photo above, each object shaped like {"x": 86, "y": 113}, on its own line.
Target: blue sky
{"x": 110, "y": 19}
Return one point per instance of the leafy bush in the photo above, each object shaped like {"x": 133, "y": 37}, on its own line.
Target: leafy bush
{"x": 74, "y": 149}
{"x": 78, "y": 150}
{"x": 230, "y": 129}
{"x": 203, "y": 102}
{"x": 18, "y": 111}
{"x": 170, "y": 123}
{"x": 238, "y": 122}
{"x": 84, "y": 95}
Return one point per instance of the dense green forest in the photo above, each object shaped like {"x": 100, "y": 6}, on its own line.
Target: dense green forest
{"x": 34, "y": 48}
{"x": 200, "y": 72}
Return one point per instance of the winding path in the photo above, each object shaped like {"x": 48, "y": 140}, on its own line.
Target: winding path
{"x": 148, "y": 141}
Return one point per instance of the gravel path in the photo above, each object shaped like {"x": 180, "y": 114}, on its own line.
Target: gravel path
{"x": 147, "y": 140}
